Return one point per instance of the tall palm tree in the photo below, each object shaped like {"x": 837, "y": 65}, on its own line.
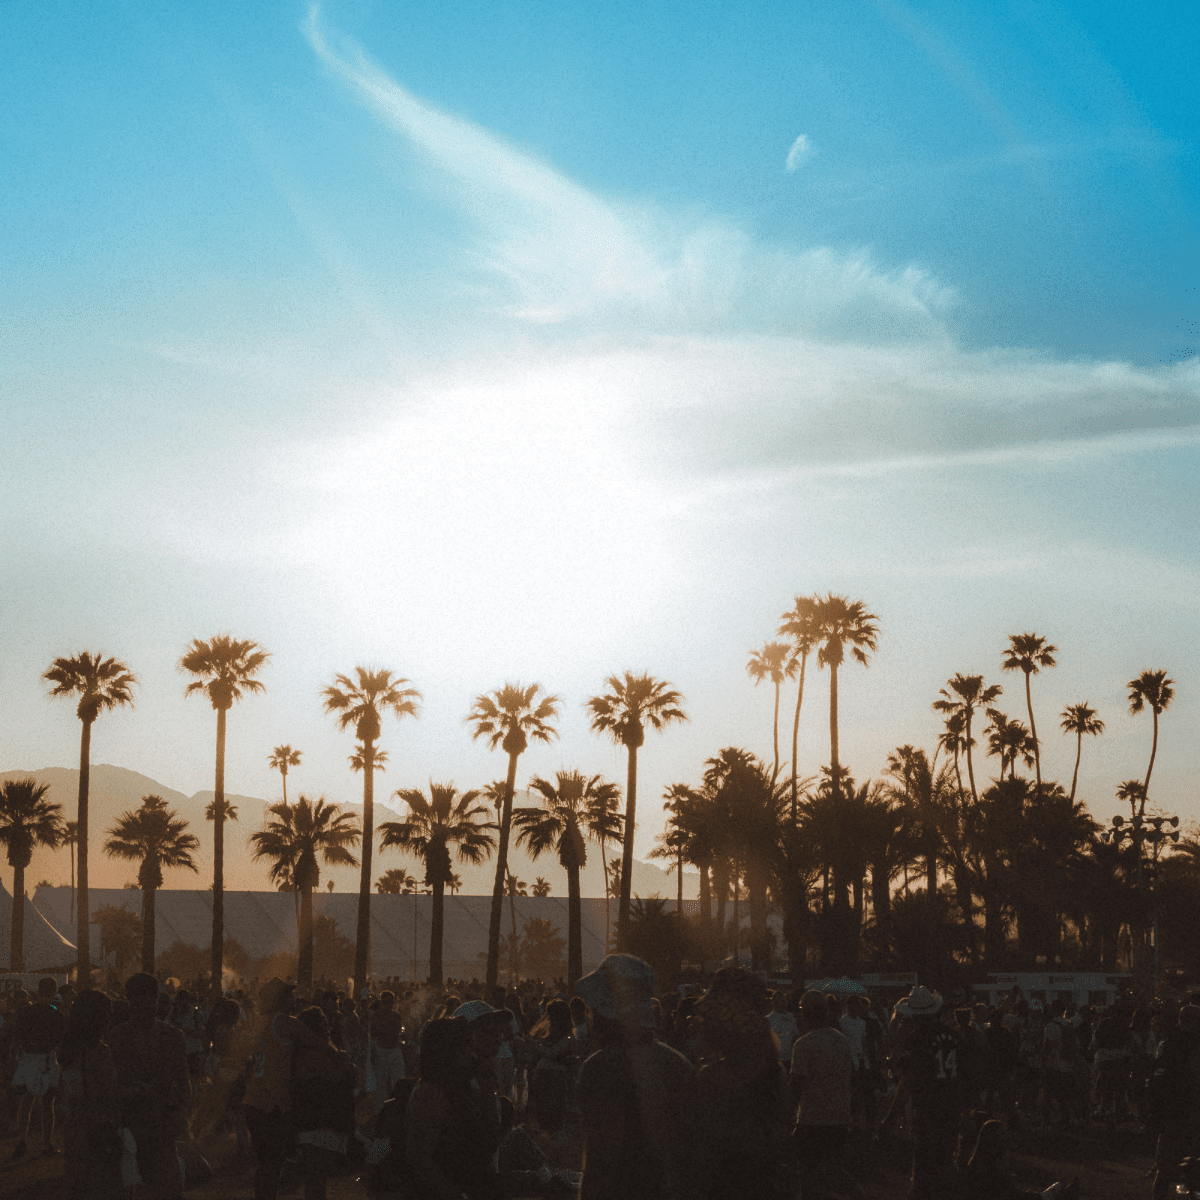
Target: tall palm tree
{"x": 575, "y": 806}
{"x": 1029, "y": 653}
{"x": 101, "y": 684}
{"x": 675, "y": 841}
{"x": 1080, "y": 719}
{"x": 776, "y": 662}
{"x": 27, "y": 819}
{"x": 508, "y": 717}
{"x": 966, "y": 694}
{"x": 911, "y": 767}
{"x": 294, "y": 836}
{"x": 436, "y": 823}
{"x": 280, "y": 759}
{"x": 70, "y": 839}
{"x": 359, "y": 704}
{"x": 1009, "y": 740}
{"x": 157, "y": 837}
{"x": 800, "y": 624}
{"x": 514, "y": 887}
{"x": 225, "y": 668}
{"x": 842, "y": 625}
{"x": 1151, "y": 688}
{"x": 630, "y": 704}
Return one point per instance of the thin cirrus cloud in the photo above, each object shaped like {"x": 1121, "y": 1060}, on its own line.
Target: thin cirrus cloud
{"x": 774, "y": 354}
{"x": 800, "y": 153}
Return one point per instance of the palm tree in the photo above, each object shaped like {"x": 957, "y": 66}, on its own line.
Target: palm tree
{"x": 623, "y": 712}
{"x": 776, "y": 662}
{"x": 676, "y": 839}
{"x": 294, "y": 836}
{"x": 27, "y": 819}
{"x": 70, "y": 839}
{"x": 541, "y": 887}
{"x": 454, "y": 883}
{"x": 359, "y": 704}
{"x": 396, "y": 882}
{"x": 225, "y": 669}
{"x": 1009, "y": 740}
{"x": 800, "y": 624}
{"x": 101, "y": 684}
{"x": 1029, "y": 652}
{"x": 1080, "y": 719}
{"x": 966, "y": 694}
{"x": 157, "y": 837}
{"x": 280, "y": 759}
{"x": 435, "y": 823}
{"x": 575, "y": 805}
{"x": 842, "y": 624}
{"x": 1151, "y": 688}
{"x": 514, "y": 887}
{"x": 508, "y": 717}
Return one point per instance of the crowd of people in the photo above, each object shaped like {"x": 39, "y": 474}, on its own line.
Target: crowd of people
{"x": 723, "y": 1092}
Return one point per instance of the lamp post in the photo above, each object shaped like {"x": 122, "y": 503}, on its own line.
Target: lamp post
{"x": 1140, "y": 830}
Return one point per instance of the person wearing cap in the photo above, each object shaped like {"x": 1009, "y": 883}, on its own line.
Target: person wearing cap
{"x": 155, "y": 1090}
{"x": 929, "y": 1068}
{"x": 636, "y": 1095}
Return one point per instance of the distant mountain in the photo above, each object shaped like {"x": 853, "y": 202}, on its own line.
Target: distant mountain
{"x": 114, "y": 790}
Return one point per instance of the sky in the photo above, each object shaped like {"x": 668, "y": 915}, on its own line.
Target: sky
{"x": 534, "y": 343}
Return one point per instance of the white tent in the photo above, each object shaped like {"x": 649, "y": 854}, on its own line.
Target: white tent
{"x": 46, "y": 950}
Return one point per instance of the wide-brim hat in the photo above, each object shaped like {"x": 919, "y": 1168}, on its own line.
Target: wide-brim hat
{"x": 920, "y": 1002}
{"x": 620, "y": 989}
{"x": 476, "y": 1011}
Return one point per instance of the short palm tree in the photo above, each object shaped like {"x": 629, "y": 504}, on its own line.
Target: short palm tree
{"x": 280, "y": 759}
{"x": 1154, "y": 690}
{"x": 27, "y": 819}
{"x": 514, "y": 887}
{"x": 508, "y": 717}
{"x": 156, "y": 837}
{"x": 396, "y": 882}
{"x": 1009, "y": 740}
{"x": 70, "y": 839}
{"x": 358, "y": 704}
{"x": 101, "y": 684}
{"x": 437, "y": 822}
{"x": 576, "y": 807}
{"x": 1080, "y": 719}
{"x": 225, "y": 670}
{"x": 842, "y": 625}
{"x": 800, "y": 624}
{"x": 294, "y": 837}
{"x": 541, "y": 887}
{"x": 966, "y": 694}
{"x": 631, "y": 703}
{"x": 1029, "y": 653}
{"x": 776, "y": 661}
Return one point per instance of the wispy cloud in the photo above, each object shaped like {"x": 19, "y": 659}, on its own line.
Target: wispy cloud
{"x": 780, "y": 357}
{"x": 800, "y": 152}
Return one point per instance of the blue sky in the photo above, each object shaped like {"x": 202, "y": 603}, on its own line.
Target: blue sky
{"x": 543, "y": 342}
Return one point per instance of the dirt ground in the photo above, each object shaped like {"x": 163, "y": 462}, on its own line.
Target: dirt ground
{"x": 1111, "y": 1165}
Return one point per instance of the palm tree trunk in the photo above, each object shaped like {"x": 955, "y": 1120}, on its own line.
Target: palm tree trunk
{"x": 1037, "y": 752}
{"x": 1078, "y": 756}
{"x": 493, "y": 958}
{"x": 436, "y": 926}
{"x": 1150, "y": 768}
{"x": 775, "y": 736}
{"x": 971, "y": 767}
{"x": 574, "y": 928}
{"x": 304, "y": 965}
{"x": 512, "y": 912}
{"x": 627, "y": 844}
{"x": 737, "y": 921}
{"x": 71, "y": 849}
{"x": 679, "y": 885}
{"x": 148, "y": 911}
{"x": 17, "y": 936}
{"x": 218, "y": 913}
{"x": 796, "y": 736}
{"x": 362, "y": 936}
{"x": 83, "y": 961}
